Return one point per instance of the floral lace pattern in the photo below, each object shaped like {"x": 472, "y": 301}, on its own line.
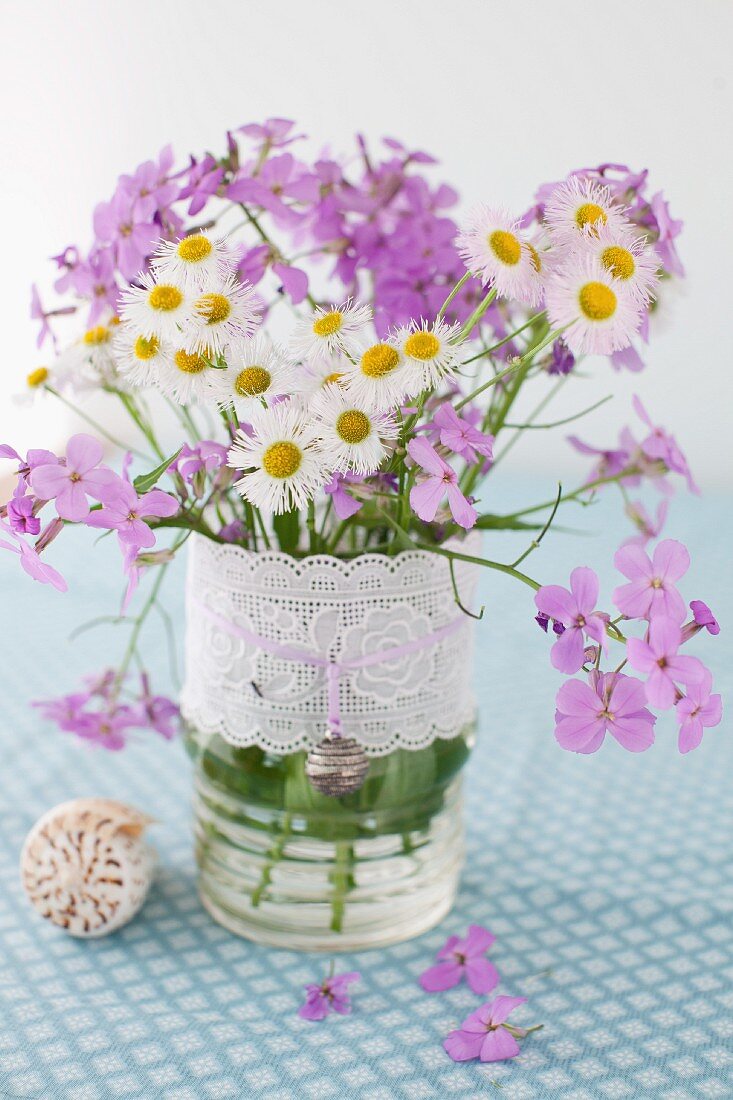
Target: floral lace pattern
{"x": 334, "y": 609}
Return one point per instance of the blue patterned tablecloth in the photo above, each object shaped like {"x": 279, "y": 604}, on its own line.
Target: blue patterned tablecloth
{"x": 607, "y": 881}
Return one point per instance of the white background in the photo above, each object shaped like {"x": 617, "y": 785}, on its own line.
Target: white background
{"x": 506, "y": 94}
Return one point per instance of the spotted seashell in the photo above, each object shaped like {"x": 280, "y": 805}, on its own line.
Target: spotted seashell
{"x": 86, "y": 866}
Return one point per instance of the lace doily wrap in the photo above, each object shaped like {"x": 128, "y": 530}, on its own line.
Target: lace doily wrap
{"x": 338, "y": 611}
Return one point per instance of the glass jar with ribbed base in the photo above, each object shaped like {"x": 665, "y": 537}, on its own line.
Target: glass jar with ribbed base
{"x": 286, "y": 866}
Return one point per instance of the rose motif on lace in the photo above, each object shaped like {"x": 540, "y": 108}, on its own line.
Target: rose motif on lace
{"x": 380, "y": 630}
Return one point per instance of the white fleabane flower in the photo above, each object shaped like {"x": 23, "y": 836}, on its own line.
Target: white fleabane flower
{"x": 257, "y": 371}
{"x": 352, "y": 436}
{"x": 601, "y": 314}
{"x": 139, "y": 357}
{"x": 282, "y": 463}
{"x": 578, "y": 206}
{"x": 159, "y": 309}
{"x": 428, "y": 347}
{"x": 187, "y": 376}
{"x": 492, "y": 249}
{"x": 381, "y": 378}
{"x": 627, "y": 257}
{"x": 323, "y": 372}
{"x": 194, "y": 261}
{"x": 329, "y": 330}
{"x": 225, "y": 311}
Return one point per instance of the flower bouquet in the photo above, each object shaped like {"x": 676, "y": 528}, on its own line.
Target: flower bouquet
{"x": 343, "y": 362}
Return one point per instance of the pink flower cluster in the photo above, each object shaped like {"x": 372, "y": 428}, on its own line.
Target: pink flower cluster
{"x": 613, "y": 702}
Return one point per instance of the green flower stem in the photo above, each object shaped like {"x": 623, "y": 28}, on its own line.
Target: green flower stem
{"x": 274, "y": 856}
{"x": 506, "y": 340}
{"x": 511, "y": 369}
{"x": 137, "y": 416}
{"x": 475, "y": 316}
{"x": 575, "y": 494}
{"x": 456, "y": 290}
{"x": 342, "y": 881}
{"x": 95, "y": 424}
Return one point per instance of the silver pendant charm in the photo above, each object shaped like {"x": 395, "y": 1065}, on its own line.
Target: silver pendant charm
{"x": 337, "y": 766}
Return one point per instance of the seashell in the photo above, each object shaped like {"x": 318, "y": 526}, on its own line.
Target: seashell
{"x": 86, "y": 867}
{"x": 337, "y": 766}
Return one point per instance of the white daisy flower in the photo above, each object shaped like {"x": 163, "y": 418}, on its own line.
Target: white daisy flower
{"x": 627, "y": 257}
{"x": 381, "y": 378}
{"x": 159, "y": 309}
{"x": 257, "y": 370}
{"x": 429, "y": 348}
{"x": 224, "y": 312}
{"x": 35, "y": 386}
{"x": 139, "y": 357}
{"x": 324, "y": 371}
{"x": 601, "y": 313}
{"x": 578, "y": 206}
{"x": 493, "y": 250}
{"x": 352, "y": 436}
{"x": 194, "y": 261}
{"x": 91, "y": 361}
{"x": 328, "y": 330}
{"x": 187, "y": 376}
{"x": 282, "y": 462}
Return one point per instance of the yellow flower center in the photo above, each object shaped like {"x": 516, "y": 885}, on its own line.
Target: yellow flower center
{"x": 146, "y": 348}
{"x": 335, "y": 376}
{"x": 506, "y": 247}
{"x": 379, "y": 360}
{"x": 96, "y": 336}
{"x": 190, "y": 362}
{"x": 252, "y": 381}
{"x": 597, "y": 301}
{"x": 37, "y": 377}
{"x": 534, "y": 258}
{"x": 422, "y": 345}
{"x": 618, "y": 261}
{"x": 590, "y": 213}
{"x": 165, "y": 298}
{"x": 214, "y": 308}
{"x": 328, "y": 323}
{"x": 282, "y": 459}
{"x": 194, "y": 249}
{"x": 353, "y": 426}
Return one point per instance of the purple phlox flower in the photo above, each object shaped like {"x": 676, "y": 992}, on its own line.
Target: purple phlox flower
{"x": 648, "y": 528}
{"x": 21, "y": 517}
{"x": 30, "y": 561}
{"x": 561, "y": 360}
{"x": 126, "y": 513}
{"x": 254, "y": 263}
{"x": 273, "y": 133}
{"x": 101, "y": 684}
{"x": 485, "y": 1035}
{"x": 627, "y": 359}
{"x": 344, "y": 504}
{"x": 652, "y": 589}
{"x": 544, "y": 621}
{"x": 65, "y": 711}
{"x": 609, "y": 703}
{"x": 658, "y": 659}
{"x": 659, "y": 446}
{"x": 280, "y": 178}
{"x": 203, "y": 458}
{"x": 35, "y": 457}
{"x": 107, "y": 728}
{"x": 81, "y": 475}
{"x": 668, "y": 229}
{"x": 332, "y": 995}
{"x": 703, "y": 617}
{"x": 294, "y": 281}
{"x": 463, "y": 958}
{"x": 574, "y": 608}
{"x": 132, "y": 236}
{"x": 157, "y": 712}
{"x": 416, "y": 156}
{"x": 233, "y": 532}
{"x": 149, "y": 186}
{"x": 610, "y": 461}
{"x": 38, "y": 314}
{"x": 696, "y": 711}
{"x": 459, "y": 436}
{"x": 67, "y": 262}
{"x": 204, "y": 179}
{"x": 94, "y": 278}
{"x": 442, "y": 480}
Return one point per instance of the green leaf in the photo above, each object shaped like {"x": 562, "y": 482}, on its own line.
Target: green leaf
{"x": 144, "y": 482}
{"x": 287, "y": 529}
{"x": 505, "y": 523}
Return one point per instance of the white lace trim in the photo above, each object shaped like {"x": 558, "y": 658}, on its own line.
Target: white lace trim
{"x": 339, "y": 609}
